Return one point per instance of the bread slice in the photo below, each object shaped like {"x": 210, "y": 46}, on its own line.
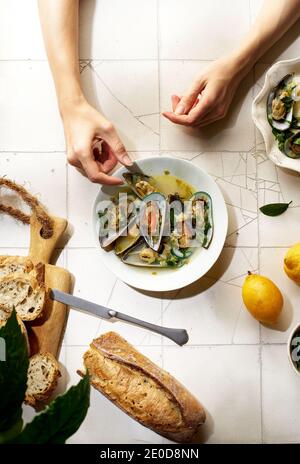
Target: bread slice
{"x": 141, "y": 389}
{"x": 42, "y": 377}
{"x": 5, "y": 313}
{"x": 24, "y": 293}
{"x": 13, "y": 264}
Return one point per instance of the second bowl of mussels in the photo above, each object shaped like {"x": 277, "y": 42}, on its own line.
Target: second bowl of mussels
{"x": 276, "y": 113}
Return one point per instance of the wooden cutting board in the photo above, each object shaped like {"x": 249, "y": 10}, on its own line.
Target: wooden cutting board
{"x": 45, "y": 334}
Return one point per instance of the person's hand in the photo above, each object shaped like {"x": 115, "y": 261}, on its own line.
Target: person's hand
{"x": 209, "y": 96}
{"x": 93, "y": 145}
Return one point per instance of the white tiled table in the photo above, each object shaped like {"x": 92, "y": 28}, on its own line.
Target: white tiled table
{"x": 135, "y": 53}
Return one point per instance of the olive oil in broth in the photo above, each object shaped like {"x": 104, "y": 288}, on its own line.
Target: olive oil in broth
{"x": 169, "y": 184}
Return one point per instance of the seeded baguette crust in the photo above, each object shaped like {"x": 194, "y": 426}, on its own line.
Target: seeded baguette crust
{"x": 24, "y": 293}
{"x": 13, "y": 264}
{"x": 141, "y": 389}
{"x": 42, "y": 377}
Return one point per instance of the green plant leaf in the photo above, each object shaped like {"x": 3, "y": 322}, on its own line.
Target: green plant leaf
{"x": 274, "y": 209}
{"x": 61, "y": 419}
{"x": 9, "y": 435}
{"x": 13, "y": 373}
{"x": 281, "y": 137}
{"x": 287, "y": 100}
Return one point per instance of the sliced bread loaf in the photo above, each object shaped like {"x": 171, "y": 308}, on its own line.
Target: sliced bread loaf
{"x": 24, "y": 293}
{"x": 42, "y": 377}
{"x": 13, "y": 264}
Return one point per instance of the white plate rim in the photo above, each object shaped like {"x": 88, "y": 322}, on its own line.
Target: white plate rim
{"x": 173, "y": 284}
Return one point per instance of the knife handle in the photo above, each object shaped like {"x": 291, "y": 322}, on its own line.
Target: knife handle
{"x": 179, "y": 336}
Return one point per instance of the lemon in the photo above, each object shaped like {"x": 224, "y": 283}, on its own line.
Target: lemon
{"x": 262, "y": 298}
{"x": 292, "y": 263}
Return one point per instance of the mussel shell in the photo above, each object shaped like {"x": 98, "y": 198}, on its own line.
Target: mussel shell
{"x": 285, "y": 123}
{"x": 107, "y": 240}
{"x": 207, "y": 228}
{"x": 125, "y": 242}
{"x": 288, "y": 146}
{"x": 296, "y": 108}
{"x": 132, "y": 178}
{"x": 107, "y": 237}
{"x": 132, "y": 258}
{"x": 160, "y": 204}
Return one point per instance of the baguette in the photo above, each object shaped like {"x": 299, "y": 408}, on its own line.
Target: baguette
{"x": 141, "y": 389}
{"x": 13, "y": 264}
{"x": 24, "y": 293}
{"x": 42, "y": 377}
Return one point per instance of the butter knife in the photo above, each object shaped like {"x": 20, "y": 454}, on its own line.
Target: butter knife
{"x": 179, "y": 336}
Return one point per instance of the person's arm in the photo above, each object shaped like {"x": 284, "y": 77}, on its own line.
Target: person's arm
{"x": 211, "y": 93}
{"x": 83, "y": 125}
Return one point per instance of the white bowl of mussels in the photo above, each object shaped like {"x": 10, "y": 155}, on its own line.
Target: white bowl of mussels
{"x": 276, "y": 113}
{"x": 164, "y": 228}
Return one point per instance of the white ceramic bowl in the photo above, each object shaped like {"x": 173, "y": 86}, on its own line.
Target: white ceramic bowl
{"x": 295, "y": 329}
{"x": 259, "y": 113}
{"x": 201, "y": 261}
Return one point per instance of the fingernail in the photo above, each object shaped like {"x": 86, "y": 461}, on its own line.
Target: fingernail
{"x": 127, "y": 160}
{"x": 180, "y": 109}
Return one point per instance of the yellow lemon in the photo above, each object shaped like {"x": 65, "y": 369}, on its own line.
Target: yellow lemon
{"x": 262, "y": 298}
{"x": 292, "y": 263}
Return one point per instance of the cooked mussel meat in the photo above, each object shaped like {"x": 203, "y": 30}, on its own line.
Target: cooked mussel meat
{"x": 116, "y": 217}
{"x": 292, "y": 146}
{"x": 202, "y": 218}
{"x": 152, "y": 218}
{"x": 280, "y": 104}
{"x": 142, "y": 255}
{"x": 139, "y": 183}
{"x": 296, "y": 98}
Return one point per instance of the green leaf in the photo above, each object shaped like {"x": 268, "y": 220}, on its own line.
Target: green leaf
{"x": 281, "y": 137}
{"x": 61, "y": 419}
{"x": 274, "y": 209}
{"x": 297, "y": 141}
{"x": 9, "y": 435}
{"x": 13, "y": 373}
{"x": 287, "y": 100}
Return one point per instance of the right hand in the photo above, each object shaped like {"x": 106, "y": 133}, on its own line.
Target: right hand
{"x": 85, "y": 127}
{"x": 209, "y": 96}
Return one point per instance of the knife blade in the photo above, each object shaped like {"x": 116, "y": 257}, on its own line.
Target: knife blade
{"x": 80, "y": 303}
{"x": 179, "y": 336}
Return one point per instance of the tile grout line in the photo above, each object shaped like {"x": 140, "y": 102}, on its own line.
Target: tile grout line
{"x": 158, "y": 73}
{"x": 113, "y": 60}
{"x": 258, "y": 262}
{"x": 159, "y": 143}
